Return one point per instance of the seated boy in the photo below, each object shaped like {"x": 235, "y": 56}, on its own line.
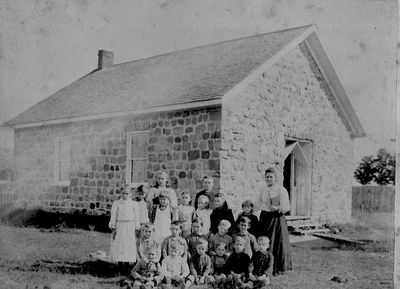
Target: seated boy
{"x": 262, "y": 264}
{"x": 194, "y": 236}
{"x": 250, "y": 240}
{"x": 147, "y": 274}
{"x": 220, "y": 237}
{"x": 200, "y": 266}
{"x": 218, "y": 260}
{"x": 145, "y": 241}
{"x": 175, "y": 238}
{"x": 175, "y": 268}
{"x": 237, "y": 267}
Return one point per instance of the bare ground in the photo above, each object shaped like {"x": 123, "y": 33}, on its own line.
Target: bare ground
{"x": 32, "y": 257}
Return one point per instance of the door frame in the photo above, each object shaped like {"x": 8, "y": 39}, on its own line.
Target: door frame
{"x": 300, "y": 191}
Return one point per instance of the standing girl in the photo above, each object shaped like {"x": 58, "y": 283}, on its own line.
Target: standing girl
{"x": 161, "y": 185}
{"x": 143, "y": 205}
{"x": 203, "y": 212}
{"x": 161, "y": 216}
{"x": 273, "y": 201}
{"x": 185, "y": 213}
{"x": 124, "y": 222}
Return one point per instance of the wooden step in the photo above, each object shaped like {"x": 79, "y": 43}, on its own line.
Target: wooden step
{"x": 297, "y": 218}
{"x": 310, "y": 231}
{"x": 306, "y": 226}
{"x": 339, "y": 238}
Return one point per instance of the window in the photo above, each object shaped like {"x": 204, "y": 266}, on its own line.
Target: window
{"x": 62, "y": 166}
{"x": 137, "y": 157}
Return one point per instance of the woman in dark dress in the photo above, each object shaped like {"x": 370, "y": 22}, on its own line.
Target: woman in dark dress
{"x": 273, "y": 202}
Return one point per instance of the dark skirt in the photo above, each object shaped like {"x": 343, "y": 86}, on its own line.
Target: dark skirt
{"x": 273, "y": 225}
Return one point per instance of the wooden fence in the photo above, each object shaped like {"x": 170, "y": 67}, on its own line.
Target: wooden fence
{"x": 6, "y": 192}
{"x": 373, "y": 198}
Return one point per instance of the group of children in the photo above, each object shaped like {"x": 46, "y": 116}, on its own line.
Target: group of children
{"x": 180, "y": 246}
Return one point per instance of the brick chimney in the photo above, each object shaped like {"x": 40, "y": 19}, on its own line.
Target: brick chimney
{"x": 106, "y": 59}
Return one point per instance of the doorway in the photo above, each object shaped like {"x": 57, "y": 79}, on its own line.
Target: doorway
{"x": 297, "y": 175}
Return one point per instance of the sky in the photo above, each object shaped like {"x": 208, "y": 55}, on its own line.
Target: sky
{"x": 47, "y": 44}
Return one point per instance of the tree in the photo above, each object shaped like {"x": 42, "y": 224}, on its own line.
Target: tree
{"x": 365, "y": 171}
{"x": 385, "y": 166}
{"x": 380, "y": 169}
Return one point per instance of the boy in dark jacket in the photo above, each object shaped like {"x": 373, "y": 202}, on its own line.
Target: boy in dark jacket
{"x": 262, "y": 264}
{"x": 237, "y": 267}
{"x": 220, "y": 212}
{"x": 248, "y": 211}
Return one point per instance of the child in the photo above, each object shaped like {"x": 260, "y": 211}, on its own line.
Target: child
{"x": 124, "y": 222}
{"x": 220, "y": 237}
{"x": 185, "y": 213}
{"x": 176, "y": 240}
{"x": 194, "y": 237}
{"x": 220, "y": 212}
{"x": 161, "y": 216}
{"x": 218, "y": 260}
{"x": 251, "y": 241}
{"x": 146, "y": 241}
{"x": 144, "y": 206}
{"x": 237, "y": 265}
{"x": 248, "y": 208}
{"x": 161, "y": 185}
{"x": 200, "y": 265}
{"x": 147, "y": 274}
{"x": 208, "y": 184}
{"x": 204, "y": 213}
{"x": 175, "y": 268}
{"x": 262, "y": 263}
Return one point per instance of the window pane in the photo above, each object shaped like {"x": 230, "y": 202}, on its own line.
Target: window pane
{"x": 139, "y": 171}
{"x": 139, "y": 146}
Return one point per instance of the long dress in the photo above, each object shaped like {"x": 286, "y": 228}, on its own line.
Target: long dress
{"x": 185, "y": 213}
{"x": 125, "y": 220}
{"x": 273, "y": 224}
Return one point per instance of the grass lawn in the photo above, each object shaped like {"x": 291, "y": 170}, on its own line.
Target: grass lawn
{"x": 31, "y": 257}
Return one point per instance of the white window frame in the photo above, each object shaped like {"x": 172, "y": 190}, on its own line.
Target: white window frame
{"x": 57, "y": 160}
{"x": 129, "y": 158}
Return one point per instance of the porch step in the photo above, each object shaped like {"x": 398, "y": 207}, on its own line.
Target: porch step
{"x": 305, "y": 226}
{"x": 297, "y": 218}
{"x": 339, "y": 238}
{"x": 310, "y": 231}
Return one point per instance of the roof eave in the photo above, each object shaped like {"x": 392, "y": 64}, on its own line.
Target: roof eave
{"x": 309, "y": 36}
{"x": 331, "y": 77}
{"x": 155, "y": 109}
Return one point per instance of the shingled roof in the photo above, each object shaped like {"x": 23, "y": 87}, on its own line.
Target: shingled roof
{"x": 192, "y": 76}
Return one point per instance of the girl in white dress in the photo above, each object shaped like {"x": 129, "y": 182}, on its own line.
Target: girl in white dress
{"x": 161, "y": 216}
{"x": 185, "y": 213}
{"x": 124, "y": 222}
{"x": 203, "y": 211}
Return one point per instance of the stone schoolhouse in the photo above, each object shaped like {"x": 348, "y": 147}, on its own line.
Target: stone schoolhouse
{"x": 228, "y": 110}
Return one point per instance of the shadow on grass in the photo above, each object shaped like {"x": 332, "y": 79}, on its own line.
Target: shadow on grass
{"x": 94, "y": 268}
{"x": 55, "y": 221}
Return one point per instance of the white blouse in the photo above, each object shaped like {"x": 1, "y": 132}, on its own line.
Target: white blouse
{"x": 275, "y": 195}
{"x": 124, "y": 211}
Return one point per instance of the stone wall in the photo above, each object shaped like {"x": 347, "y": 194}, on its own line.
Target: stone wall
{"x": 184, "y": 143}
{"x": 290, "y": 99}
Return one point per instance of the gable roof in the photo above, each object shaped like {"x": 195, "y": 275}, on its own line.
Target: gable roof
{"x": 188, "y": 78}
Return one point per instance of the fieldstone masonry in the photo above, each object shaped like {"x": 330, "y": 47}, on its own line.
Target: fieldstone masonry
{"x": 290, "y": 99}
{"x": 234, "y": 143}
{"x": 186, "y": 144}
